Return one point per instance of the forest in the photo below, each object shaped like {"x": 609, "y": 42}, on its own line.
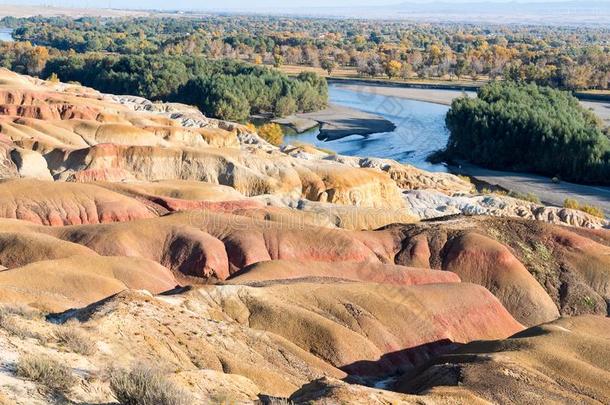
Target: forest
{"x": 223, "y": 88}
{"x": 529, "y": 128}
{"x": 226, "y": 89}
{"x": 572, "y": 58}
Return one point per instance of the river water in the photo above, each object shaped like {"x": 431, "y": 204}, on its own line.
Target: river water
{"x": 420, "y": 129}
{"x": 5, "y": 34}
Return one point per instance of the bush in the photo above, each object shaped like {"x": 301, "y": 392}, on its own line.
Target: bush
{"x": 589, "y": 209}
{"x": 143, "y": 385}
{"x": 272, "y": 133}
{"x": 46, "y": 371}
{"x": 529, "y": 128}
{"x": 11, "y": 321}
{"x": 75, "y": 339}
{"x": 593, "y": 210}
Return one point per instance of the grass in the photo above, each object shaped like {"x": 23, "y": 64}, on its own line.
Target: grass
{"x": 75, "y": 339}
{"x": 144, "y": 385}
{"x": 589, "y": 302}
{"x": 308, "y": 145}
{"x": 464, "y": 178}
{"x": 529, "y": 197}
{"x": 593, "y": 210}
{"x": 22, "y": 311}
{"x": 47, "y": 371}
{"x": 11, "y": 320}
{"x": 571, "y": 204}
{"x": 588, "y": 209}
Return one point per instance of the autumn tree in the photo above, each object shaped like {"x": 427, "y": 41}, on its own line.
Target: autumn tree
{"x": 392, "y": 68}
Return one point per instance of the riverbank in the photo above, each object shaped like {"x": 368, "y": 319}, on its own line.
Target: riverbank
{"x": 542, "y": 187}
{"x": 443, "y": 94}
{"x": 429, "y": 95}
{"x": 337, "y": 122}
{"x": 420, "y": 131}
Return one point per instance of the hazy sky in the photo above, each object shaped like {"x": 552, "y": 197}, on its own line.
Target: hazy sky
{"x": 237, "y": 4}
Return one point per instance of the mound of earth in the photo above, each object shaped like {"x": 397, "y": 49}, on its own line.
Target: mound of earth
{"x": 57, "y": 204}
{"x": 371, "y": 272}
{"x": 566, "y": 361}
{"x": 537, "y": 270}
{"x": 62, "y": 284}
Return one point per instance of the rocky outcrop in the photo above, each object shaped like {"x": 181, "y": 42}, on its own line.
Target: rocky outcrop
{"x": 427, "y": 204}
{"x": 8, "y": 169}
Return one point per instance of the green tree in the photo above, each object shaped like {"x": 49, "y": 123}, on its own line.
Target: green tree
{"x": 529, "y": 128}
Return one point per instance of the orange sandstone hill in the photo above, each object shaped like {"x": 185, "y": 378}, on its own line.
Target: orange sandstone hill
{"x": 145, "y": 245}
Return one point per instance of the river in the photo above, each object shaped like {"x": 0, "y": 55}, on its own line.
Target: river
{"x": 5, "y": 34}
{"x": 420, "y": 129}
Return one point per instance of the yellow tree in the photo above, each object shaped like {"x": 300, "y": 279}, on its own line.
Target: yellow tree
{"x": 392, "y": 68}
{"x": 434, "y": 53}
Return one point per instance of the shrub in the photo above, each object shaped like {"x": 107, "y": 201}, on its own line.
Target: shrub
{"x": 10, "y": 321}
{"x": 272, "y": 133}
{"x": 589, "y": 209}
{"x": 46, "y": 371}
{"x": 53, "y": 78}
{"x": 593, "y": 210}
{"x": 75, "y": 339}
{"x": 144, "y": 385}
{"x": 251, "y": 127}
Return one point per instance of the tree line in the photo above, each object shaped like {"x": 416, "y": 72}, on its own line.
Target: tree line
{"x": 225, "y": 89}
{"x": 565, "y": 57}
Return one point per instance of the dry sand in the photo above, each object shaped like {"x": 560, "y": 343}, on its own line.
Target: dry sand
{"x": 445, "y": 97}
{"x": 337, "y": 122}
{"x": 437, "y": 96}
{"x": 548, "y": 192}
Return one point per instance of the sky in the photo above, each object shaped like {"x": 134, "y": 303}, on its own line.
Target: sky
{"x": 252, "y": 5}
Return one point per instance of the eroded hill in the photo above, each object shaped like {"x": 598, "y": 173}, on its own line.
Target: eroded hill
{"x": 138, "y": 232}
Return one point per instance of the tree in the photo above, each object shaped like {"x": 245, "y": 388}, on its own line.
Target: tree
{"x": 272, "y": 133}
{"x": 529, "y": 128}
{"x": 35, "y": 59}
{"x": 329, "y": 65}
{"x": 392, "y": 68}
{"x": 278, "y": 60}
{"x": 285, "y": 106}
